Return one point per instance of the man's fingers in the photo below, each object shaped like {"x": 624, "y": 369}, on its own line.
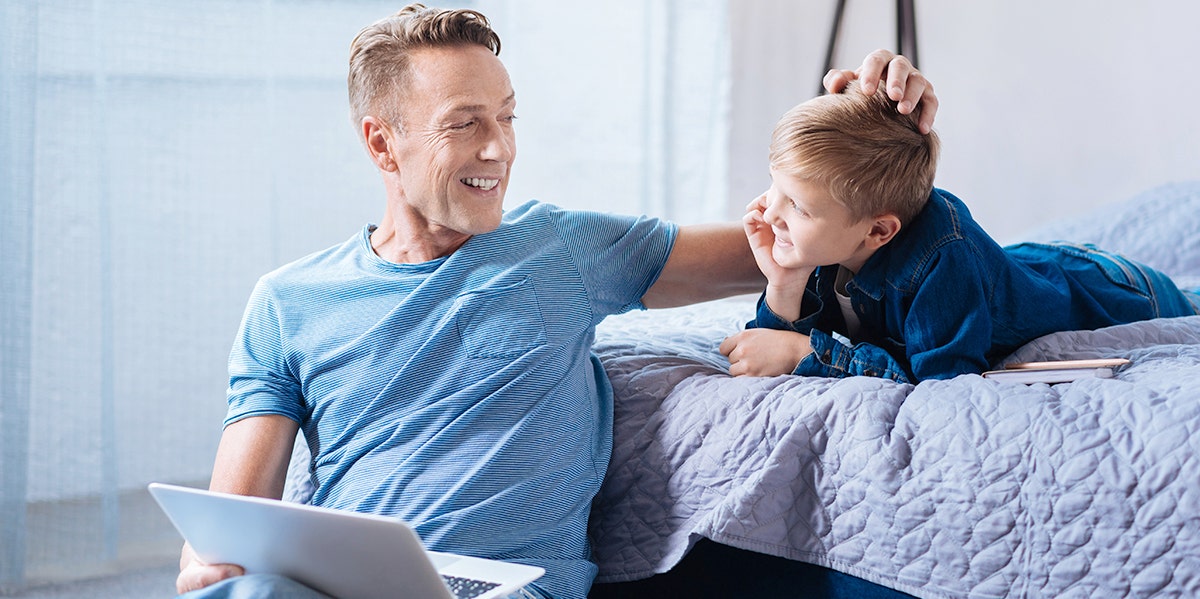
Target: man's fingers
{"x": 918, "y": 91}
{"x": 836, "y": 80}
{"x": 871, "y": 73}
{"x": 200, "y": 576}
{"x": 912, "y": 91}
{"x": 899, "y": 72}
{"x": 905, "y": 85}
{"x": 929, "y": 108}
{"x": 909, "y": 88}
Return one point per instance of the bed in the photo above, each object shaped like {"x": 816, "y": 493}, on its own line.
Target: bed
{"x": 956, "y": 488}
{"x": 963, "y": 487}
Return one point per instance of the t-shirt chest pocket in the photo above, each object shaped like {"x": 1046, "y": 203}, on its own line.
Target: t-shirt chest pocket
{"x": 500, "y": 322}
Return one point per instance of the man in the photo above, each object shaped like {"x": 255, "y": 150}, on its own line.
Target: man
{"x": 439, "y": 362}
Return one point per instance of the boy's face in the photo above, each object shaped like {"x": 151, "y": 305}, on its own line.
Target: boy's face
{"x": 811, "y": 228}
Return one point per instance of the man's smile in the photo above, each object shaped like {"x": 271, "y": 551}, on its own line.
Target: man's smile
{"x": 484, "y": 184}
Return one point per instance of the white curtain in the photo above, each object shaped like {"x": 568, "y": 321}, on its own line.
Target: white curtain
{"x": 156, "y": 157}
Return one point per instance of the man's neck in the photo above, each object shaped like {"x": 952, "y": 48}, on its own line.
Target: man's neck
{"x": 404, "y": 243}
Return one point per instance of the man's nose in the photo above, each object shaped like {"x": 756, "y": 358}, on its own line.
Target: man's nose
{"x": 498, "y": 144}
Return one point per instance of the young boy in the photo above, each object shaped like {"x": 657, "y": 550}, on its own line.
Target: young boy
{"x": 854, "y": 240}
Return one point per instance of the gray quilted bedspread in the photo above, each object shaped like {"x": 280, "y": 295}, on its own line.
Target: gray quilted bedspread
{"x": 943, "y": 489}
{"x": 965, "y": 487}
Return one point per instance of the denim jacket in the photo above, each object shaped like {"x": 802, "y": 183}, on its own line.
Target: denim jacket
{"x": 943, "y": 299}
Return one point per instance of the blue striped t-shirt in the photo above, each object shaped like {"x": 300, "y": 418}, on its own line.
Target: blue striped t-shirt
{"x": 461, "y": 394}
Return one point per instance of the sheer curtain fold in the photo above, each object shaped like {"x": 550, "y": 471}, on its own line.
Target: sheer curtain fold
{"x": 18, "y": 54}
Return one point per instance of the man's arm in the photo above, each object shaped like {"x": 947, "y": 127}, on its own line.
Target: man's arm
{"x": 707, "y": 262}
{"x": 253, "y": 456}
{"x": 252, "y": 459}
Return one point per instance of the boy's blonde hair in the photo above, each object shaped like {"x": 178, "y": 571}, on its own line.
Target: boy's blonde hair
{"x": 872, "y": 159}
{"x": 379, "y": 54}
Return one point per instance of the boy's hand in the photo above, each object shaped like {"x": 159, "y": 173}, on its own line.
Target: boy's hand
{"x": 905, "y": 84}
{"x": 762, "y": 239}
{"x": 765, "y": 352}
{"x": 785, "y": 286}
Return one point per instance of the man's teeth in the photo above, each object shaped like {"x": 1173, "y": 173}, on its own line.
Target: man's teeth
{"x": 484, "y": 184}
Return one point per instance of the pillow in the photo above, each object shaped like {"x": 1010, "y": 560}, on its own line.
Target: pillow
{"x": 1159, "y": 228}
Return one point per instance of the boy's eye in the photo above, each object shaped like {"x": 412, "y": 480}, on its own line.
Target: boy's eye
{"x": 797, "y": 208}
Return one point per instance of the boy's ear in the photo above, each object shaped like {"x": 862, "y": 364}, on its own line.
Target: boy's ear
{"x": 883, "y": 230}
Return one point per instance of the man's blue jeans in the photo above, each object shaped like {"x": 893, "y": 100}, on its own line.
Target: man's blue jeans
{"x": 270, "y": 586}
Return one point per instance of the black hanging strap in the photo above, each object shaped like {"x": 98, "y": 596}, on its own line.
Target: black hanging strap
{"x": 906, "y": 30}
{"x": 906, "y": 36}
{"x": 832, "y": 47}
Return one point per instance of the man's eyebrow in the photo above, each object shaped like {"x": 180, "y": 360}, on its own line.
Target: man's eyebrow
{"x": 511, "y": 99}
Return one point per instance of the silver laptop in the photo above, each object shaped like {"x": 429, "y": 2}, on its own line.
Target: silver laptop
{"x": 340, "y": 553}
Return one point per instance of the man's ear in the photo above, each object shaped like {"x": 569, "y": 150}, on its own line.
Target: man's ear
{"x": 377, "y": 135}
{"x": 884, "y": 228}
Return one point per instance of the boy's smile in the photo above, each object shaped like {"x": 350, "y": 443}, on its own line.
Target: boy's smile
{"x": 781, "y": 238}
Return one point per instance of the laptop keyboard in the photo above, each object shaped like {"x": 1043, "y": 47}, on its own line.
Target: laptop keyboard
{"x": 465, "y": 588}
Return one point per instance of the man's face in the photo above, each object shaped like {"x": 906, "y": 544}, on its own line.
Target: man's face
{"x": 455, "y": 144}
{"x": 811, "y": 228}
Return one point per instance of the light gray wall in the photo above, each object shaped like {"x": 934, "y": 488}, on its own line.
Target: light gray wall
{"x": 622, "y": 106}
{"x": 1047, "y": 108}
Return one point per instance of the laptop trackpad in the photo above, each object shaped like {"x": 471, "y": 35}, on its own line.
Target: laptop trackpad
{"x": 442, "y": 560}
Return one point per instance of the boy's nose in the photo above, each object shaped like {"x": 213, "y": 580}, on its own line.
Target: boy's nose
{"x": 771, "y": 214}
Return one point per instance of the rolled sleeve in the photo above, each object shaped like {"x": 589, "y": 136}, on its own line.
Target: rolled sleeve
{"x": 832, "y": 358}
{"x": 765, "y": 318}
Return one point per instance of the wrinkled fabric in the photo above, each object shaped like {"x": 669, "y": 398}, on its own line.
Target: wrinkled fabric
{"x": 945, "y": 488}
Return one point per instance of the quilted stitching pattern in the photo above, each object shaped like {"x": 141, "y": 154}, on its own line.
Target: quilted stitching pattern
{"x": 947, "y": 488}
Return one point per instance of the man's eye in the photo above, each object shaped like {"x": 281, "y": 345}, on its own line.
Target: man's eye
{"x": 462, "y": 126}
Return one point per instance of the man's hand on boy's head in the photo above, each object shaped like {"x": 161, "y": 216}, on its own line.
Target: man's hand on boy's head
{"x": 905, "y": 84}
